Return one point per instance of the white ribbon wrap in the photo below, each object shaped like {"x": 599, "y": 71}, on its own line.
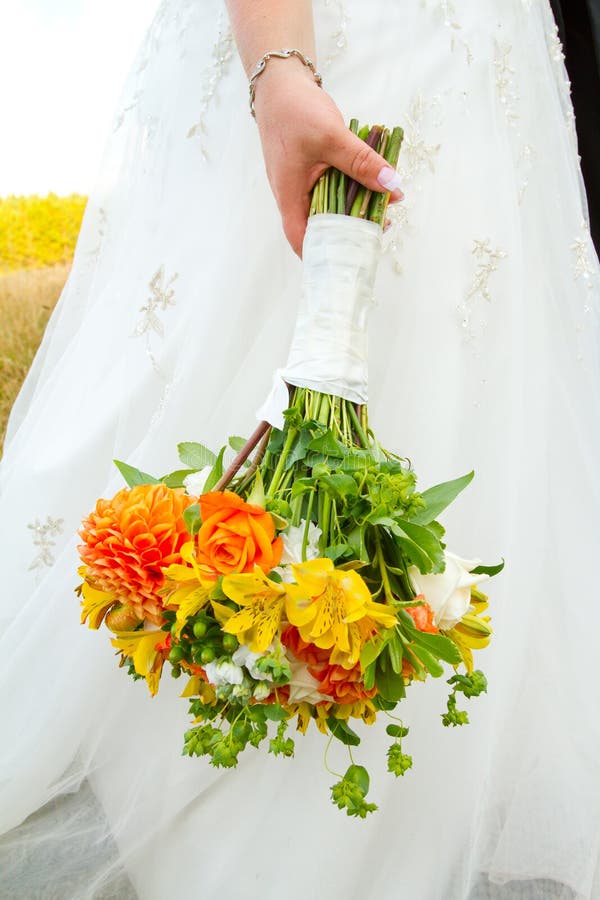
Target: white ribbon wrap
{"x": 329, "y": 347}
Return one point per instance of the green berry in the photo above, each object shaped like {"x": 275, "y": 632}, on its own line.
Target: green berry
{"x": 230, "y": 643}
{"x": 200, "y": 629}
{"x": 176, "y": 654}
{"x": 207, "y": 655}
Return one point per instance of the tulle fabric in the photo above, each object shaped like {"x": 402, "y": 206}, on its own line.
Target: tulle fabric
{"x": 482, "y": 355}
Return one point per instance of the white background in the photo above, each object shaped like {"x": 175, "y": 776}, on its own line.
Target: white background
{"x": 62, "y": 67}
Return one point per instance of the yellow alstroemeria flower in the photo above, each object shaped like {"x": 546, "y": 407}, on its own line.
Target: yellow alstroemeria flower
{"x": 187, "y": 587}
{"x": 141, "y": 647}
{"x": 333, "y": 608}
{"x": 95, "y": 603}
{"x": 262, "y": 602}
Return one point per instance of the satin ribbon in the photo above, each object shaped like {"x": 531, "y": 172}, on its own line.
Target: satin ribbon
{"x": 329, "y": 346}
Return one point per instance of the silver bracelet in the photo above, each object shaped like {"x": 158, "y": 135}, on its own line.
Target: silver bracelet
{"x": 261, "y": 65}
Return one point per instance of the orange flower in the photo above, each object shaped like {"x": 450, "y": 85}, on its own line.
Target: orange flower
{"x": 129, "y": 540}
{"x": 422, "y": 616}
{"x": 236, "y": 536}
{"x": 309, "y": 653}
{"x": 342, "y": 685}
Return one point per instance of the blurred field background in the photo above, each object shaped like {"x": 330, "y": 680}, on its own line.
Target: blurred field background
{"x": 37, "y": 241}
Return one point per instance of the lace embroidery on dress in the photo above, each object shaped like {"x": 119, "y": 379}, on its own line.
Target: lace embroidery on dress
{"x": 161, "y": 297}
{"x": 44, "y": 538}
{"x": 524, "y": 152}
{"x": 338, "y": 36}
{"x": 446, "y": 12}
{"x": 222, "y": 52}
{"x": 417, "y": 157}
{"x": 488, "y": 260}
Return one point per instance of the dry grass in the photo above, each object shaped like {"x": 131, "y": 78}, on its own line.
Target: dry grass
{"x": 26, "y": 300}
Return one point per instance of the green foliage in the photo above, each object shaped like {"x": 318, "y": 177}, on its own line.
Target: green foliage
{"x": 39, "y": 231}
{"x": 349, "y": 793}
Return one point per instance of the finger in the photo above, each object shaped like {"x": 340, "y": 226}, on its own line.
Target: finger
{"x": 294, "y": 219}
{"x": 363, "y": 164}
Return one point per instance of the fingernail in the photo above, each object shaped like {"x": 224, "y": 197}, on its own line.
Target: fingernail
{"x": 396, "y": 199}
{"x": 389, "y": 179}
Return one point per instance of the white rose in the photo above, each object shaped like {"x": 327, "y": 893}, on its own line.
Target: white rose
{"x": 292, "y": 548}
{"x": 448, "y": 594}
{"x": 303, "y": 687}
{"x": 194, "y": 483}
{"x": 224, "y": 672}
{"x": 243, "y": 656}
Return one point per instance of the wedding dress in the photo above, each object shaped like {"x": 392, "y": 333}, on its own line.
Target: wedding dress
{"x": 484, "y": 354}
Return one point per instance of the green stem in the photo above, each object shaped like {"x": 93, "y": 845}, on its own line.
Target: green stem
{"x": 281, "y": 464}
{"x": 311, "y": 500}
{"x": 358, "y": 427}
{"x": 387, "y": 589}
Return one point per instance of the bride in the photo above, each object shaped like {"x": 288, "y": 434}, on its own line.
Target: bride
{"x": 484, "y": 353}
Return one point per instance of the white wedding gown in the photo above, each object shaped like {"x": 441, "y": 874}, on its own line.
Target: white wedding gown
{"x": 484, "y": 353}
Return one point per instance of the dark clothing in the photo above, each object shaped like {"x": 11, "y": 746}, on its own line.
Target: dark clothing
{"x": 579, "y": 27}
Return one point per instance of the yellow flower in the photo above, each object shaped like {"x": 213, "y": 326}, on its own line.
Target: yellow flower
{"x": 473, "y": 632}
{"x": 332, "y": 608}
{"x": 187, "y": 587}
{"x": 262, "y": 602}
{"x": 95, "y": 603}
{"x": 141, "y": 647}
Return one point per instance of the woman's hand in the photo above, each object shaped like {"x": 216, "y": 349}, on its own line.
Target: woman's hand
{"x": 303, "y": 133}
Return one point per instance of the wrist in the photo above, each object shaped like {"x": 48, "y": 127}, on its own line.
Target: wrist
{"x": 281, "y": 70}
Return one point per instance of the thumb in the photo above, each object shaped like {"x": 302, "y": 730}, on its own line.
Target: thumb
{"x": 354, "y": 157}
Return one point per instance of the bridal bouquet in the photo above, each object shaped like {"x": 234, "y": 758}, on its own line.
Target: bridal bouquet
{"x": 310, "y": 580}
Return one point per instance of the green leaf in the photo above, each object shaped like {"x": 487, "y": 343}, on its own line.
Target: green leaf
{"x": 414, "y": 553}
{"x": 301, "y": 485}
{"x": 216, "y": 471}
{"x": 439, "y": 497}
{"x": 336, "y": 551}
{"x": 379, "y": 703}
{"x": 257, "y": 494}
{"x": 356, "y": 539}
{"x": 369, "y": 676}
{"x": 390, "y": 685}
{"x": 175, "y": 479}
{"x": 343, "y": 732}
{"x": 340, "y": 486}
{"x": 196, "y": 456}
{"x": 371, "y": 650}
{"x": 443, "y": 647}
{"x": 274, "y": 712}
{"x": 395, "y": 652}
{"x": 396, "y": 731}
{"x": 236, "y": 443}
{"x": 358, "y": 775}
{"x": 191, "y": 517}
{"x": 429, "y": 661}
{"x": 134, "y": 476}
{"x": 488, "y": 570}
{"x": 327, "y": 445}
{"x": 427, "y": 541}
{"x": 357, "y": 461}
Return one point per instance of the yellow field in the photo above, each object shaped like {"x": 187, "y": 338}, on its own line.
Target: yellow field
{"x": 26, "y": 301}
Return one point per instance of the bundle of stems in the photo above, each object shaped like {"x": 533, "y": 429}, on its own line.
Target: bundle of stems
{"x": 334, "y": 192}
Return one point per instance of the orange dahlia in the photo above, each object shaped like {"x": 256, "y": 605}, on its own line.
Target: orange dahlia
{"x": 128, "y": 542}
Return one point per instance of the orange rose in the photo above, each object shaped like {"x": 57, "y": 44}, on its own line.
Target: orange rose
{"x": 422, "y": 616}
{"x": 236, "y": 536}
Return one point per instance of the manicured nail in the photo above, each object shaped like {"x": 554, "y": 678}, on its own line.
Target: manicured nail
{"x": 389, "y": 179}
